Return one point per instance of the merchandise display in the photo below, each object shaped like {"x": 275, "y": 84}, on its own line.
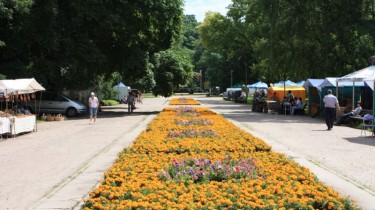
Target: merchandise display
{"x": 14, "y": 95}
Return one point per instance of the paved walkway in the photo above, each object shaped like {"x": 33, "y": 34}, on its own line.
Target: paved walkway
{"x": 341, "y": 158}
{"x": 57, "y": 166}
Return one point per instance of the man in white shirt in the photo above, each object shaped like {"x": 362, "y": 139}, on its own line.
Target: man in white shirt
{"x": 330, "y": 104}
{"x": 93, "y": 105}
{"x": 354, "y": 112}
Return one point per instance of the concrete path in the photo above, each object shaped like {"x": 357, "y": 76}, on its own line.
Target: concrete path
{"x": 56, "y": 167}
{"x": 340, "y": 158}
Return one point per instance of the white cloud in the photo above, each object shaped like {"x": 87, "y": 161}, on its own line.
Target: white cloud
{"x": 200, "y": 7}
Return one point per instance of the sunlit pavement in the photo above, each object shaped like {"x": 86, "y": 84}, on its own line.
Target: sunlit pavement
{"x": 340, "y": 158}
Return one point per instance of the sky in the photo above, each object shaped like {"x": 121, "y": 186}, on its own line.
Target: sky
{"x": 200, "y": 7}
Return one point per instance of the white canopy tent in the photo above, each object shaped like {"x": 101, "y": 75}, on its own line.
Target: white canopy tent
{"x": 257, "y": 85}
{"x": 313, "y": 83}
{"x": 21, "y": 86}
{"x": 286, "y": 83}
{"x": 366, "y": 75}
{"x": 123, "y": 90}
{"x": 331, "y": 82}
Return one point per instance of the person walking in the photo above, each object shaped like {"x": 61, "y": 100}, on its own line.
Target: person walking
{"x": 140, "y": 98}
{"x": 330, "y": 104}
{"x": 93, "y": 104}
{"x": 130, "y": 102}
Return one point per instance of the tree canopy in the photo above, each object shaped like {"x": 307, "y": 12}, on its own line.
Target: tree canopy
{"x": 153, "y": 46}
{"x": 277, "y": 40}
{"x": 66, "y": 44}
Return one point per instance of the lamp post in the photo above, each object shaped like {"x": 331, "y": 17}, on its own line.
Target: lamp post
{"x": 231, "y": 78}
{"x": 245, "y": 73}
{"x": 201, "y": 79}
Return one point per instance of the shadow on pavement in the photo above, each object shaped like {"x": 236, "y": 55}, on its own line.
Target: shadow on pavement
{"x": 108, "y": 113}
{"x": 370, "y": 141}
{"x": 249, "y": 116}
{"x": 232, "y": 107}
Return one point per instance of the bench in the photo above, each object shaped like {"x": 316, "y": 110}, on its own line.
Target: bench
{"x": 358, "y": 119}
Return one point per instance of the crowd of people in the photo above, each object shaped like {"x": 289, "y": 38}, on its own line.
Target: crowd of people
{"x": 289, "y": 105}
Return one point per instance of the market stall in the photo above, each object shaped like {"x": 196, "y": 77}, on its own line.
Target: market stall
{"x": 344, "y": 91}
{"x": 358, "y": 78}
{"x": 314, "y": 95}
{"x": 4, "y": 125}
{"x": 257, "y": 86}
{"x": 279, "y": 92}
{"x": 13, "y": 94}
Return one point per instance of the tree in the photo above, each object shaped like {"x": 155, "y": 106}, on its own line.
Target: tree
{"x": 68, "y": 43}
{"x": 171, "y": 69}
{"x": 231, "y": 40}
{"x": 9, "y": 10}
{"x": 274, "y": 40}
{"x": 301, "y": 39}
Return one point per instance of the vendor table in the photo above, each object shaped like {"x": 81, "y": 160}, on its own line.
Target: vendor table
{"x": 22, "y": 124}
{"x": 272, "y": 105}
{"x": 4, "y": 125}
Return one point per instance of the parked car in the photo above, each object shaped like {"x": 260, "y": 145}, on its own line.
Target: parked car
{"x": 55, "y": 103}
{"x": 198, "y": 90}
{"x": 184, "y": 90}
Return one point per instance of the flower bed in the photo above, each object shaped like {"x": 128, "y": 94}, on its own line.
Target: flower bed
{"x": 183, "y": 101}
{"x": 233, "y": 170}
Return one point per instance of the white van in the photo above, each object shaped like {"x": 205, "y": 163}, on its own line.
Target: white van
{"x": 55, "y": 103}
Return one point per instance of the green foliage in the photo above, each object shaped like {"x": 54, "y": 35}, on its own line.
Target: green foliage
{"x": 109, "y": 102}
{"x": 106, "y": 85}
{"x": 278, "y": 40}
{"x": 2, "y": 76}
{"x": 190, "y": 35}
{"x": 9, "y": 10}
{"x": 67, "y": 43}
{"x": 172, "y": 67}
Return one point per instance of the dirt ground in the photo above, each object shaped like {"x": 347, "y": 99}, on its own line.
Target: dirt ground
{"x": 55, "y": 167}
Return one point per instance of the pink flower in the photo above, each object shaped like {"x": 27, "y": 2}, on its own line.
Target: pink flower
{"x": 236, "y": 168}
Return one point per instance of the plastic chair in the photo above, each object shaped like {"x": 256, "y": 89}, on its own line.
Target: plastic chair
{"x": 367, "y": 122}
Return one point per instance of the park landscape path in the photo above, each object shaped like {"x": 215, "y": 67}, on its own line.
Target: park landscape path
{"x": 57, "y": 166}
{"x": 341, "y": 158}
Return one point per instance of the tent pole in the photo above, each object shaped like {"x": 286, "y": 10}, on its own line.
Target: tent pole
{"x": 353, "y": 95}
{"x": 308, "y": 99}
{"x": 36, "y": 118}
{"x": 337, "y": 95}
{"x": 373, "y": 103}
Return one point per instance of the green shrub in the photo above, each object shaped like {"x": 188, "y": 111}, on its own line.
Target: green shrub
{"x": 109, "y": 102}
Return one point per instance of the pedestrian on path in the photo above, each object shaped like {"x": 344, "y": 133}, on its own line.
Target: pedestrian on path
{"x": 330, "y": 104}
{"x": 93, "y": 105}
{"x": 130, "y": 102}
